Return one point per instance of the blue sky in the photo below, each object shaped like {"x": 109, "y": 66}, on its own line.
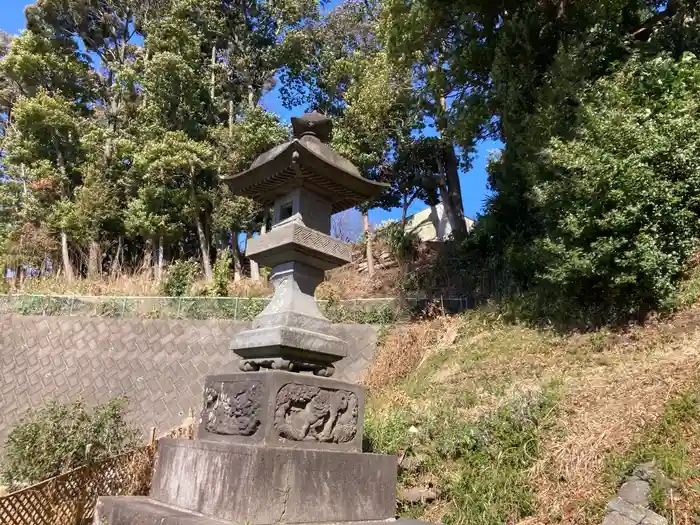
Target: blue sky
{"x": 474, "y": 188}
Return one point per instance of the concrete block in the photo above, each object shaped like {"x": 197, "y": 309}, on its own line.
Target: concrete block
{"x": 270, "y": 485}
{"x": 282, "y": 409}
{"x": 135, "y": 510}
{"x": 139, "y": 510}
{"x": 615, "y": 518}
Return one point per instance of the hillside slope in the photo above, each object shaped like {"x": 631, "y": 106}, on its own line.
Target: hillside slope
{"x": 501, "y": 423}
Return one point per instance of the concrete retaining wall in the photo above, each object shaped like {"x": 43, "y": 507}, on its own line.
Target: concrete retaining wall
{"x": 159, "y": 365}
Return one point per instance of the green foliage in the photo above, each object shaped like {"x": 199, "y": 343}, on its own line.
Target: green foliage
{"x": 121, "y": 143}
{"x": 401, "y": 242}
{"x": 482, "y": 466}
{"x": 383, "y": 314}
{"x": 622, "y": 211}
{"x": 55, "y": 439}
{"x": 222, "y": 274}
{"x": 591, "y": 214}
{"x": 179, "y": 278}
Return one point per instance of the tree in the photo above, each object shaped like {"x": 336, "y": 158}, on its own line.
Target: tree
{"x": 342, "y": 69}
{"x": 237, "y": 144}
{"x": 519, "y": 72}
{"x": 623, "y": 215}
{"x": 45, "y": 140}
{"x": 176, "y": 172}
{"x": 42, "y": 138}
{"x": 106, "y": 30}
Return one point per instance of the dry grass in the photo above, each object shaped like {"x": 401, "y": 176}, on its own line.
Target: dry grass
{"x": 347, "y": 283}
{"x": 136, "y": 285}
{"x": 405, "y": 348}
{"x": 614, "y": 388}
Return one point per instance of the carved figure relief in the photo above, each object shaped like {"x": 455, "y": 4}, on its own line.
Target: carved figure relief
{"x": 309, "y": 413}
{"x": 232, "y": 408}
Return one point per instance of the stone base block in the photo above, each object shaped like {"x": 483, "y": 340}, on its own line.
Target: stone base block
{"x": 139, "y": 510}
{"x": 267, "y": 485}
{"x": 134, "y": 510}
{"x": 282, "y": 409}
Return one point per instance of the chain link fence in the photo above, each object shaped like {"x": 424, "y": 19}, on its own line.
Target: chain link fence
{"x": 365, "y": 311}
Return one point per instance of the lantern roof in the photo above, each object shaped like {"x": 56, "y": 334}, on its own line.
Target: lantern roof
{"x": 305, "y": 161}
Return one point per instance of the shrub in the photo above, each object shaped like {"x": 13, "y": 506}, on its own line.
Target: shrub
{"x": 179, "y": 278}
{"x": 55, "y": 438}
{"x": 222, "y": 274}
{"x": 401, "y": 243}
{"x": 623, "y": 204}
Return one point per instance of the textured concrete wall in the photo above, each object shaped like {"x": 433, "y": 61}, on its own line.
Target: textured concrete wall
{"x": 159, "y": 365}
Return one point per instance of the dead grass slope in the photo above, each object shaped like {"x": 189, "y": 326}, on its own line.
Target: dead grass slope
{"x": 447, "y": 396}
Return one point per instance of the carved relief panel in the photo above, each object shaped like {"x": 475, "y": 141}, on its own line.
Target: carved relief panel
{"x": 310, "y": 413}
{"x": 232, "y": 408}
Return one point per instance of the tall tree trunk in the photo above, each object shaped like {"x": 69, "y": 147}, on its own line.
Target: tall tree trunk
{"x": 452, "y": 200}
{"x": 67, "y": 265}
{"x": 407, "y": 201}
{"x": 60, "y": 159}
{"x": 447, "y": 204}
{"x": 454, "y": 191}
{"x": 116, "y": 262}
{"x": 237, "y": 265}
{"x": 94, "y": 259}
{"x": 212, "y": 85}
{"x": 147, "y": 265}
{"x": 435, "y": 221}
{"x": 204, "y": 248}
{"x": 160, "y": 259}
{"x": 368, "y": 237}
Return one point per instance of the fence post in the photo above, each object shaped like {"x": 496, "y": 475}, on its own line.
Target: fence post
{"x": 153, "y": 436}
{"x": 70, "y": 310}
{"x": 235, "y": 310}
{"x": 123, "y": 307}
{"x": 179, "y": 306}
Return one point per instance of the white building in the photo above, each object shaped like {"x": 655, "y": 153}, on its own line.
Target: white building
{"x": 431, "y": 224}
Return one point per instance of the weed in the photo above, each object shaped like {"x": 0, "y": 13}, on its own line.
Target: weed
{"x": 480, "y": 467}
{"x": 222, "y": 274}
{"x": 179, "y": 278}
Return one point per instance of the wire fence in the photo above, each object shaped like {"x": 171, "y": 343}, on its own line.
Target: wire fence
{"x": 365, "y": 311}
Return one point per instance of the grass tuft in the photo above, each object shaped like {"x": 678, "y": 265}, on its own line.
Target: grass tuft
{"x": 480, "y": 467}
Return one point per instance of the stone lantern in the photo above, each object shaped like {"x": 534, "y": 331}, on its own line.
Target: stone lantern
{"x": 304, "y": 182}
{"x": 279, "y": 442}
